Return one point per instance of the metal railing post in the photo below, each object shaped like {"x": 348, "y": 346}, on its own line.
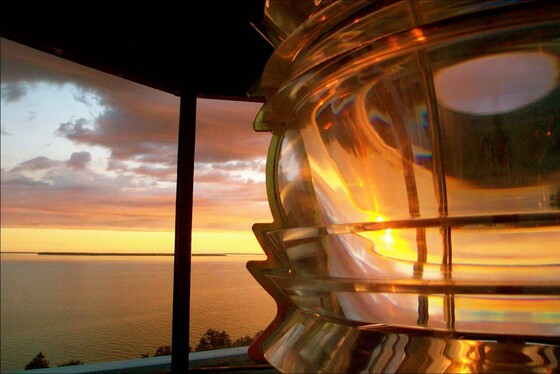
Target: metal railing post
{"x": 183, "y": 233}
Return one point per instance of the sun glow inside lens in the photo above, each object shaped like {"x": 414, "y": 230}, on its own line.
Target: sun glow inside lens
{"x": 498, "y": 83}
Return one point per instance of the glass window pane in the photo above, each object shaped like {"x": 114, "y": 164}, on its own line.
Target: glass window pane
{"x": 89, "y": 167}
{"x": 229, "y": 197}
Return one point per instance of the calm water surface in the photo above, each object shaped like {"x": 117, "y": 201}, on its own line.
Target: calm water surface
{"x": 95, "y": 309}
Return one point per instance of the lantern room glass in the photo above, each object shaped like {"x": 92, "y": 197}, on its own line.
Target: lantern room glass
{"x": 414, "y": 181}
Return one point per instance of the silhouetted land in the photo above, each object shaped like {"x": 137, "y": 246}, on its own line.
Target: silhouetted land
{"x": 211, "y": 340}
{"x": 100, "y": 254}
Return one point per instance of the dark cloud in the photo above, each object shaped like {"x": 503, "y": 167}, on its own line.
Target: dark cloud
{"x": 4, "y": 132}
{"x": 164, "y": 155}
{"x": 65, "y": 197}
{"x": 88, "y": 98}
{"x": 79, "y": 129}
{"x": 139, "y": 126}
{"x": 137, "y": 122}
{"x": 14, "y": 181}
{"x": 24, "y": 65}
{"x": 37, "y": 163}
{"x": 84, "y": 199}
{"x": 129, "y": 132}
{"x": 117, "y": 166}
{"x": 79, "y": 160}
{"x": 75, "y": 209}
{"x": 13, "y": 92}
{"x": 230, "y": 171}
{"x": 210, "y": 193}
{"x": 205, "y": 173}
{"x": 160, "y": 173}
{"x": 225, "y": 131}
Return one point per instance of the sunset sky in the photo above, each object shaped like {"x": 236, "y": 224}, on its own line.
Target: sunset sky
{"x": 89, "y": 163}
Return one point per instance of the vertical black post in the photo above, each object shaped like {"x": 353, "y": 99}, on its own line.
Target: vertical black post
{"x": 183, "y": 233}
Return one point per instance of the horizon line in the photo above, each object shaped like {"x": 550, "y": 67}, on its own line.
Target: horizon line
{"x": 123, "y": 253}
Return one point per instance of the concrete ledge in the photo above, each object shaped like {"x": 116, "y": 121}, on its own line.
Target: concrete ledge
{"x": 229, "y": 357}
{"x": 161, "y": 364}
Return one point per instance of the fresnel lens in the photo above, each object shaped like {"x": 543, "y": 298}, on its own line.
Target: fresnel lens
{"x": 414, "y": 181}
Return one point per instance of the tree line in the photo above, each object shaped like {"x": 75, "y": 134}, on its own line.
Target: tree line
{"x": 212, "y": 339}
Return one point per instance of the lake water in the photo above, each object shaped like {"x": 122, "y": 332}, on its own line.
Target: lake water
{"x": 94, "y": 308}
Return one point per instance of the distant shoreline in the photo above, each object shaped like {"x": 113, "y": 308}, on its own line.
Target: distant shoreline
{"x": 117, "y": 254}
{"x": 128, "y": 254}
{"x": 100, "y": 254}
